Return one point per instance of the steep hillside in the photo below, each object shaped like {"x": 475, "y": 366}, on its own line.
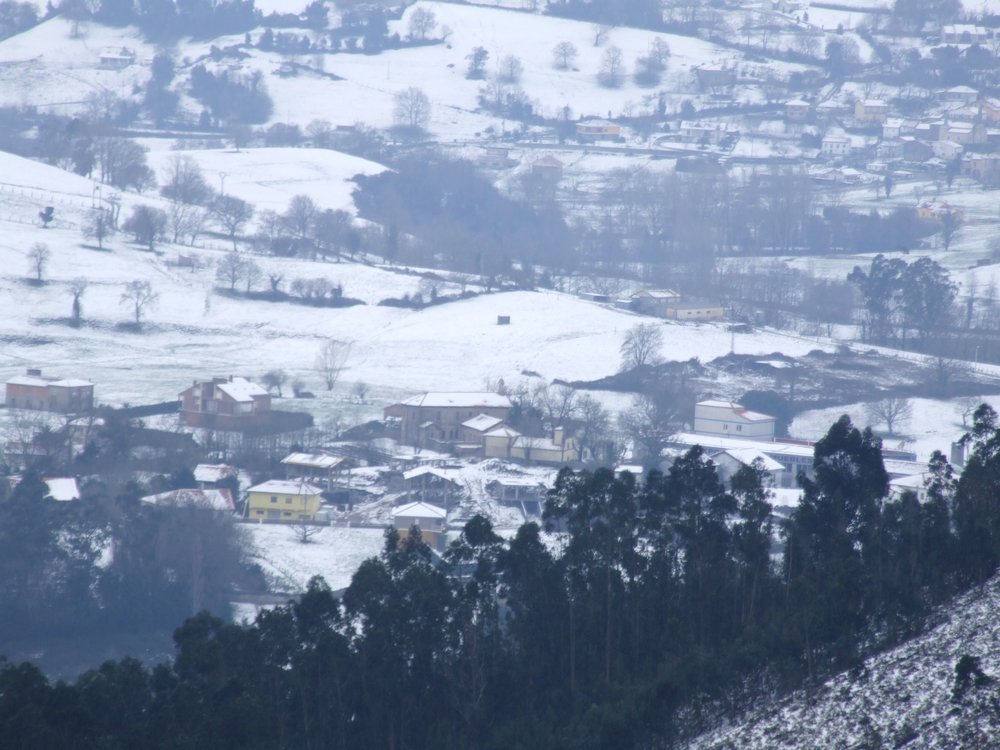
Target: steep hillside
{"x": 904, "y": 698}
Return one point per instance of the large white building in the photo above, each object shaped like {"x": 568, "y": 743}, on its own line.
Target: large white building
{"x": 732, "y": 420}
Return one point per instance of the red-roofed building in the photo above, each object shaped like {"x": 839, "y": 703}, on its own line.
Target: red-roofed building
{"x": 34, "y": 391}
{"x": 231, "y": 403}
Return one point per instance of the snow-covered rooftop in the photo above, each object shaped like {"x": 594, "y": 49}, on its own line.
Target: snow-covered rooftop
{"x": 312, "y": 460}
{"x": 286, "y": 487}
{"x": 747, "y": 456}
{"x": 241, "y": 389}
{"x": 482, "y": 422}
{"x": 211, "y": 473}
{"x": 419, "y": 510}
{"x": 219, "y": 500}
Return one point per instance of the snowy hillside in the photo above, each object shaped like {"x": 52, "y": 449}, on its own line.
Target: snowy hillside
{"x": 902, "y": 698}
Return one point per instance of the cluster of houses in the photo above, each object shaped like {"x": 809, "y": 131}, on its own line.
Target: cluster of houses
{"x": 662, "y": 303}
{"x": 733, "y": 436}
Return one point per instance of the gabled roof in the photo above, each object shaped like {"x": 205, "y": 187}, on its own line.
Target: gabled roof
{"x": 459, "y": 399}
{"x": 211, "y": 473}
{"x": 419, "y": 510}
{"x": 738, "y": 410}
{"x": 286, "y": 487}
{"x": 482, "y": 422}
{"x": 548, "y": 161}
{"x": 219, "y": 500}
{"x": 425, "y": 471}
{"x": 747, "y": 456}
{"x": 312, "y": 460}
{"x": 505, "y": 432}
{"x": 241, "y": 389}
{"x": 667, "y": 294}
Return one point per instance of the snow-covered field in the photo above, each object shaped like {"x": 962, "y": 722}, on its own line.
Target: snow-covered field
{"x": 933, "y": 424}
{"x": 269, "y": 178}
{"x": 334, "y": 553}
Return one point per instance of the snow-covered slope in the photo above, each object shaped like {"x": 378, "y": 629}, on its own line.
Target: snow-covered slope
{"x": 899, "y": 699}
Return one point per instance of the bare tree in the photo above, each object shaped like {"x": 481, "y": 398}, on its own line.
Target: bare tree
{"x": 252, "y": 274}
{"x": 77, "y": 287}
{"x": 305, "y": 530}
{"x": 641, "y": 346}
{"x": 510, "y": 69}
{"x": 300, "y": 216}
{"x": 411, "y": 109}
{"x": 139, "y": 296}
{"x": 649, "y": 422}
{"x": 564, "y": 55}
{"x": 330, "y": 361}
{"x": 232, "y": 214}
{"x": 98, "y": 226}
{"x": 38, "y": 258}
{"x": 421, "y": 24}
{"x": 600, "y": 32}
{"x": 229, "y": 269}
{"x": 274, "y": 380}
{"x": 594, "y": 423}
{"x": 969, "y": 404}
{"x": 147, "y": 225}
{"x": 612, "y": 71}
{"x": 360, "y": 391}
{"x": 184, "y": 181}
{"x": 556, "y": 401}
{"x": 186, "y": 221}
{"x": 892, "y": 411}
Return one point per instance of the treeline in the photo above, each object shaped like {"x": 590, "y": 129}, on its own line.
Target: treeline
{"x": 652, "y": 605}
{"x": 166, "y": 19}
{"x": 108, "y": 564}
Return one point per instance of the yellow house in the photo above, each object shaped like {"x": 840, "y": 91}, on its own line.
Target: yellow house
{"x": 426, "y": 517}
{"x": 283, "y": 500}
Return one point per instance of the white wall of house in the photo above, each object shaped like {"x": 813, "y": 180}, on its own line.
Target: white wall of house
{"x": 731, "y": 420}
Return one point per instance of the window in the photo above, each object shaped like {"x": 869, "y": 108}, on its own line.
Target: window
{"x": 739, "y": 428}
{"x": 274, "y": 499}
{"x": 259, "y": 512}
{"x": 287, "y": 514}
{"x": 288, "y": 501}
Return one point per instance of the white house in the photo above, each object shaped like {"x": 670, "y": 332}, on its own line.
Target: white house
{"x": 728, "y": 419}
{"x": 426, "y": 517}
{"x": 835, "y": 145}
{"x": 731, "y": 460}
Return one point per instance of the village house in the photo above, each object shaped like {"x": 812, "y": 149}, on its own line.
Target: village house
{"x": 508, "y": 443}
{"x": 915, "y": 150}
{"x": 871, "y": 111}
{"x": 231, "y": 403}
{"x": 797, "y": 110}
{"x": 435, "y": 420}
{"x": 694, "y": 310}
{"x": 729, "y": 419}
{"x": 589, "y": 131}
{"x": 428, "y": 519}
{"x": 935, "y": 211}
{"x": 835, "y": 145}
{"x": 983, "y": 167}
{"x": 653, "y": 301}
{"x": 495, "y": 157}
{"x": 432, "y": 485}
{"x": 964, "y": 133}
{"x": 282, "y": 500}
{"x": 964, "y": 94}
{"x": 892, "y": 128}
{"x": 731, "y": 460}
{"x": 210, "y": 476}
{"x": 714, "y": 77}
{"x": 548, "y": 167}
{"x": 989, "y": 110}
{"x": 964, "y": 33}
{"x": 947, "y": 150}
{"x": 117, "y": 59}
{"x": 35, "y": 391}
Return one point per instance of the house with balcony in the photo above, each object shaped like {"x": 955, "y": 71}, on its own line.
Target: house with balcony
{"x": 283, "y": 501}
{"x": 231, "y": 403}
